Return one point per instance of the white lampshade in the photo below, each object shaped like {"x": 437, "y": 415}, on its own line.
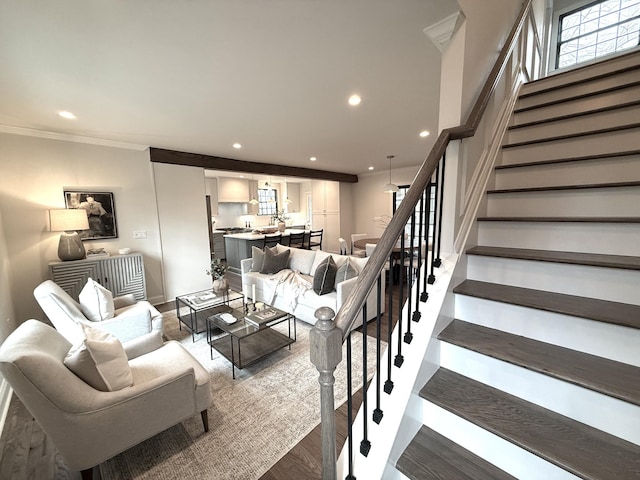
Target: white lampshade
{"x": 68, "y": 221}
{"x": 390, "y": 188}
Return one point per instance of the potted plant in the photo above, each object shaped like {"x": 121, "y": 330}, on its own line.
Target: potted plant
{"x": 280, "y": 218}
{"x": 217, "y": 272}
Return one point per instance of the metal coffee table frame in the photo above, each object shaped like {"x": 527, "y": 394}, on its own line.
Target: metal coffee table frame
{"x": 203, "y": 310}
{"x": 245, "y": 343}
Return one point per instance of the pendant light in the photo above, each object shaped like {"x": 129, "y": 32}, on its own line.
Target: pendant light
{"x": 286, "y": 189}
{"x": 254, "y": 200}
{"x": 390, "y": 187}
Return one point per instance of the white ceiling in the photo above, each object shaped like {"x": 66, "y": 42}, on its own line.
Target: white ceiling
{"x": 199, "y": 75}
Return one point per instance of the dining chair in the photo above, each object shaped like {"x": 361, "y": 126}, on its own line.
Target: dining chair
{"x": 271, "y": 240}
{"x": 296, "y": 240}
{"x": 344, "y": 247}
{"x": 357, "y": 252}
{"x": 315, "y": 239}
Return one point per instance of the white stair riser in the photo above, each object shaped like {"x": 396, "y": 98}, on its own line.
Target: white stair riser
{"x": 503, "y": 454}
{"x": 605, "y": 413}
{"x": 586, "y": 88}
{"x": 604, "y": 283}
{"x": 619, "y": 141}
{"x": 576, "y": 125}
{"x": 612, "y": 239}
{"x": 601, "y": 67}
{"x": 596, "y": 338}
{"x": 619, "y": 169}
{"x": 604, "y": 99}
{"x": 598, "y": 202}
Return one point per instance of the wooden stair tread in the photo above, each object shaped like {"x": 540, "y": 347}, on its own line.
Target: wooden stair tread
{"x": 562, "y": 219}
{"x": 570, "y": 136}
{"x": 431, "y": 456}
{"x": 578, "y": 448}
{"x": 615, "y": 379}
{"x": 566, "y": 187}
{"x": 615, "y": 313}
{"x": 584, "y": 158}
{"x": 575, "y": 258}
{"x": 570, "y": 116}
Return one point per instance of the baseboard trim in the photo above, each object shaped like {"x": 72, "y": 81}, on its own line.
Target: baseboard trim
{"x": 5, "y": 400}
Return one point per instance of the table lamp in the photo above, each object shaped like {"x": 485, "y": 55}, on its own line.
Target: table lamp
{"x": 68, "y": 221}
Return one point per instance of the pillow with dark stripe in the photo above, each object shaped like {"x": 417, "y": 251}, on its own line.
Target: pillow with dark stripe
{"x": 346, "y": 271}
{"x": 325, "y": 277}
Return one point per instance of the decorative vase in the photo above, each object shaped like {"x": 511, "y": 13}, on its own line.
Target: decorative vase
{"x": 281, "y": 226}
{"x": 220, "y": 286}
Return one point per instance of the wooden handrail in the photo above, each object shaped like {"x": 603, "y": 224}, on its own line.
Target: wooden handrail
{"x": 351, "y": 307}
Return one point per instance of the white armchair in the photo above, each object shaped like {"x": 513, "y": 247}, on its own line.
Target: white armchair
{"x": 137, "y": 324}
{"x": 86, "y": 425}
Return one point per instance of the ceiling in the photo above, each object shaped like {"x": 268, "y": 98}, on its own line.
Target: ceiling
{"x": 198, "y": 75}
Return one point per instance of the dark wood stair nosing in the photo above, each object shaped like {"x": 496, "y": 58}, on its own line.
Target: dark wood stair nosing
{"x": 605, "y": 311}
{"x": 581, "y": 96}
{"x": 570, "y": 116}
{"x": 585, "y": 158}
{"x": 590, "y": 186}
{"x": 620, "y": 220}
{"x": 602, "y": 375}
{"x": 571, "y": 136}
{"x": 432, "y": 456}
{"x": 573, "y": 446}
{"x": 624, "y": 262}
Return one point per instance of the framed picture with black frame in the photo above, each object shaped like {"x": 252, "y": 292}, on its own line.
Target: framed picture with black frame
{"x": 101, "y": 212}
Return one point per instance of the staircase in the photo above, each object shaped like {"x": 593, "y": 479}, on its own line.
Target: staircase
{"x": 539, "y": 374}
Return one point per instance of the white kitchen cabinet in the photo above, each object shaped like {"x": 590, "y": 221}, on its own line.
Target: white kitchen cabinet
{"x": 293, "y": 194}
{"x": 330, "y": 224}
{"x": 325, "y": 196}
{"x": 232, "y": 190}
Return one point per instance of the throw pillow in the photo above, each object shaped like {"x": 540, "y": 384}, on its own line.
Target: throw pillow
{"x": 325, "y": 277}
{"x": 100, "y": 361}
{"x": 274, "y": 262}
{"x": 257, "y": 256}
{"x": 96, "y": 301}
{"x": 346, "y": 271}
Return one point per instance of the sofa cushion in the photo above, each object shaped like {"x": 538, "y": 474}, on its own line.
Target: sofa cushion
{"x": 100, "y": 361}
{"x": 346, "y": 271}
{"x": 274, "y": 262}
{"x": 257, "y": 257}
{"x": 325, "y": 277}
{"x": 96, "y": 301}
{"x": 299, "y": 260}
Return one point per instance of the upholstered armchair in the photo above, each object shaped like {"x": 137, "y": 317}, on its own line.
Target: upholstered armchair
{"x": 88, "y": 425}
{"x": 137, "y": 324}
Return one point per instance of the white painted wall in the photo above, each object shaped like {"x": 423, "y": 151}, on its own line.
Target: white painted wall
{"x": 35, "y": 172}
{"x": 182, "y": 215}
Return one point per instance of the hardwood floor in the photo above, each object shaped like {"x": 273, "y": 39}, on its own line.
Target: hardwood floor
{"x": 27, "y": 453}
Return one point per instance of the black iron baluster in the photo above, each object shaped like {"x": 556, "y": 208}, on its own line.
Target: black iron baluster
{"x": 399, "y": 360}
{"x": 435, "y": 237}
{"x": 349, "y": 412}
{"x": 365, "y": 444}
{"x": 388, "y": 384}
{"x": 377, "y": 412}
{"x": 427, "y": 220}
{"x": 416, "y": 312}
{"x": 408, "y": 336}
{"x": 437, "y": 262}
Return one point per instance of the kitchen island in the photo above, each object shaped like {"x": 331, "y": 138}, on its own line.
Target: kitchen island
{"x": 238, "y": 245}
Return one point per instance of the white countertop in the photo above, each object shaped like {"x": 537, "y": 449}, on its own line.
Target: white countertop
{"x": 260, "y": 236}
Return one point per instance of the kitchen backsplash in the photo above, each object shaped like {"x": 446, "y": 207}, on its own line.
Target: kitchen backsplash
{"x": 235, "y": 215}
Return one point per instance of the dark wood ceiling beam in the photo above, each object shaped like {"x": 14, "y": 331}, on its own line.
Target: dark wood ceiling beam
{"x": 210, "y": 162}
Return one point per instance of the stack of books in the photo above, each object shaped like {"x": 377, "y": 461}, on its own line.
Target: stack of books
{"x": 263, "y": 316}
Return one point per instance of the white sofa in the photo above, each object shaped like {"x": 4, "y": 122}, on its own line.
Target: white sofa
{"x": 301, "y": 301}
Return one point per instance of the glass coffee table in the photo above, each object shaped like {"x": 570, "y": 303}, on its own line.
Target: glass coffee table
{"x": 251, "y": 336}
{"x": 201, "y": 305}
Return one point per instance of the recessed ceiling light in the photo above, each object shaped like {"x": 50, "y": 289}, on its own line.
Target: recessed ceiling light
{"x": 237, "y": 145}
{"x": 354, "y": 100}
{"x": 424, "y": 133}
{"x": 313, "y": 159}
{"x": 371, "y": 168}
{"x": 67, "y": 115}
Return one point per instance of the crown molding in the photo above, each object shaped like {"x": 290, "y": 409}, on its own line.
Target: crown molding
{"x": 32, "y": 132}
{"x": 440, "y": 33}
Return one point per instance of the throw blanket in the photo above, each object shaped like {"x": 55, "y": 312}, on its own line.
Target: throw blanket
{"x": 290, "y": 281}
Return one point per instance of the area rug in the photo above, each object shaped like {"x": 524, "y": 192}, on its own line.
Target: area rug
{"x": 253, "y": 422}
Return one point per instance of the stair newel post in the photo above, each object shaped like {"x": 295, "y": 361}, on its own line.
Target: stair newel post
{"x": 326, "y": 353}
